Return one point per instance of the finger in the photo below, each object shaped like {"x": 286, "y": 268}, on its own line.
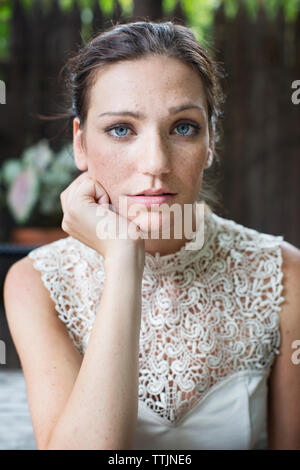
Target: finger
{"x": 78, "y": 181}
{"x": 100, "y": 193}
{"x": 69, "y": 190}
{"x": 92, "y": 190}
{"x": 104, "y": 199}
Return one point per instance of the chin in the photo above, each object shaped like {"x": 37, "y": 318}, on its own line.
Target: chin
{"x": 154, "y": 224}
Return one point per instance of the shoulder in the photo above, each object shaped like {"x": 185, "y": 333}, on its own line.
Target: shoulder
{"x": 290, "y": 312}
{"x": 49, "y": 360}
{"x": 26, "y": 273}
{"x": 290, "y": 315}
{"x": 291, "y": 265}
{"x": 232, "y": 234}
{"x": 64, "y": 255}
{"x": 20, "y": 274}
{"x": 35, "y": 277}
{"x": 247, "y": 246}
{"x": 27, "y": 303}
{"x": 51, "y": 253}
{"x": 284, "y": 379}
{"x": 25, "y": 281}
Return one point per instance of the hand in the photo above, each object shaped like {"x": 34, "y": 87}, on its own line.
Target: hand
{"x": 87, "y": 213}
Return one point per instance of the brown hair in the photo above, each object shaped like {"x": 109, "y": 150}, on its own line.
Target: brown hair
{"x": 131, "y": 41}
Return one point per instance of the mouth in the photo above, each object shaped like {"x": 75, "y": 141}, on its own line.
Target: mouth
{"x": 153, "y": 195}
{"x": 149, "y": 200}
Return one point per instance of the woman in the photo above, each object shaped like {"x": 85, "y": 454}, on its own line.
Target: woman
{"x": 144, "y": 342}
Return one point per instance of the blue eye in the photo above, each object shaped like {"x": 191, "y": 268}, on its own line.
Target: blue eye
{"x": 119, "y": 127}
{"x": 195, "y": 130}
{"x": 185, "y": 124}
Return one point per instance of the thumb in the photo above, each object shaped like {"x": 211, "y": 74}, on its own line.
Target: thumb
{"x": 100, "y": 194}
{"x": 104, "y": 199}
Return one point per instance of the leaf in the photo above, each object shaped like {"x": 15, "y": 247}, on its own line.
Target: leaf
{"x": 23, "y": 195}
{"x": 38, "y": 156}
{"x": 10, "y": 170}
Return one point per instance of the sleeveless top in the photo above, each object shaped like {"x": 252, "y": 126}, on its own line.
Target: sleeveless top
{"x": 209, "y": 332}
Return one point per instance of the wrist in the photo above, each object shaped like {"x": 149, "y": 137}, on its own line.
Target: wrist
{"x": 128, "y": 261}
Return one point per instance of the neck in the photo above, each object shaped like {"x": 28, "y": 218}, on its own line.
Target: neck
{"x": 167, "y": 246}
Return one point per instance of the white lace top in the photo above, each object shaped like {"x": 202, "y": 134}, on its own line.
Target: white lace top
{"x": 209, "y": 332}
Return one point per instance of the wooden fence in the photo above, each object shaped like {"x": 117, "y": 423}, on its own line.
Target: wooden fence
{"x": 261, "y": 142}
{"x": 261, "y": 155}
{"x": 41, "y": 40}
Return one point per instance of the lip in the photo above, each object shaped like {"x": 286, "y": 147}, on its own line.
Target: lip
{"x": 148, "y": 201}
{"x": 153, "y": 192}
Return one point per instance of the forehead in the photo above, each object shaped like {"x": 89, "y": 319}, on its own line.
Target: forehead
{"x": 145, "y": 81}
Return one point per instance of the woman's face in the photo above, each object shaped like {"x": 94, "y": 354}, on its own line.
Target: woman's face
{"x": 159, "y": 146}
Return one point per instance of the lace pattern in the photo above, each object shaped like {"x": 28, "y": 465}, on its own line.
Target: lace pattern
{"x": 206, "y": 314}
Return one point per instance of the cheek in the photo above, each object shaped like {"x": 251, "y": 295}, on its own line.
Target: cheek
{"x": 191, "y": 169}
{"x": 103, "y": 168}
{"x": 109, "y": 171}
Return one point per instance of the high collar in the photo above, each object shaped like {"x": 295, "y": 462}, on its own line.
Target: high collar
{"x": 187, "y": 254}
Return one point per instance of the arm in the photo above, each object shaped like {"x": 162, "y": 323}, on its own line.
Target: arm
{"x": 284, "y": 380}
{"x": 79, "y": 404}
{"x": 102, "y": 409}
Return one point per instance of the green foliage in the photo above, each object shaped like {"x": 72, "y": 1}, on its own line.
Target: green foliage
{"x": 23, "y": 194}
{"x": 199, "y": 13}
{"x": 5, "y": 17}
{"x": 5, "y": 12}
{"x": 27, "y": 4}
{"x": 30, "y": 187}
{"x": 66, "y": 4}
{"x": 292, "y": 8}
{"x": 4, "y": 36}
{"x": 106, "y": 6}
{"x": 168, "y": 5}
{"x": 83, "y": 4}
{"x": 252, "y": 8}
{"x": 127, "y": 6}
{"x": 200, "y": 16}
{"x": 231, "y": 7}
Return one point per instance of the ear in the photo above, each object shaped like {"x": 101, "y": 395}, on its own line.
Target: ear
{"x": 78, "y": 148}
{"x": 211, "y": 148}
{"x": 209, "y": 157}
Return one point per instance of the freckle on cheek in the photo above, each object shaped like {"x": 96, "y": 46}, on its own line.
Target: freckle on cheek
{"x": 101, "y": 162}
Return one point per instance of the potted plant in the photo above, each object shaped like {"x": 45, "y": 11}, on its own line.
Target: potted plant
{"x": 31, "y": 188}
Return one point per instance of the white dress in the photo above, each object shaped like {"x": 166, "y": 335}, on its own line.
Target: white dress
{"x": 209, "y": 332}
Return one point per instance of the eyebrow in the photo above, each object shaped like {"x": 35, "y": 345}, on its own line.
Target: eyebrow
{"x": 172, "y": 110}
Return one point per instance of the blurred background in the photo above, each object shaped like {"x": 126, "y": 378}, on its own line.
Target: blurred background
{"x": 258, "y": 44}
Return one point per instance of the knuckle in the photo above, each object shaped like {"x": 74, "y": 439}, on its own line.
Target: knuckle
{"x": 62, "y": 196}
{"x": 64, "y": 225}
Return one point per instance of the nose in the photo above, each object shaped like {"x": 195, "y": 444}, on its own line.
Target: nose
{"x": 156, "y": 157}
